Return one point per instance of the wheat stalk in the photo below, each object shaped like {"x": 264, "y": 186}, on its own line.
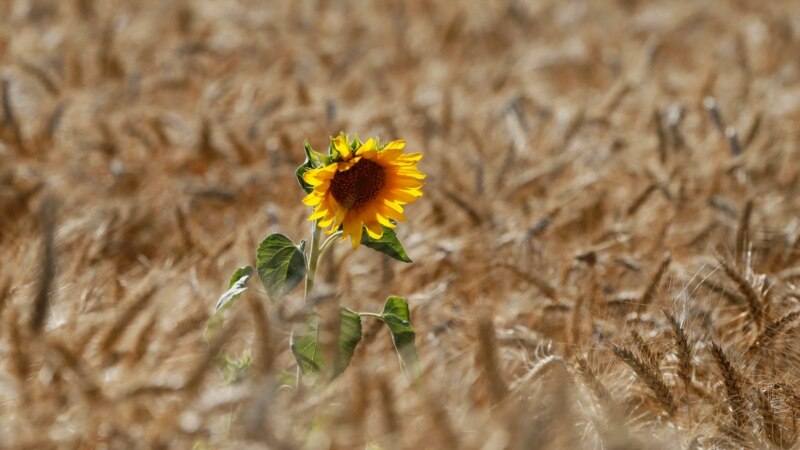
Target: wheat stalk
{"x": 649, "y": 376}
{"x": 734, "y": 386}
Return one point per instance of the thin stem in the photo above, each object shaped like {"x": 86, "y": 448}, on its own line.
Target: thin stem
{"x": 313, "y": 258}
{"x": 369, "y": 314}
{"x": 329, "y": 241}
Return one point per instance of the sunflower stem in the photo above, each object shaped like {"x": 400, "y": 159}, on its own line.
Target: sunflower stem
{"x": 313, "y": 258}
{"x": 328, "y": 242}
{"x": 314, "y": 253}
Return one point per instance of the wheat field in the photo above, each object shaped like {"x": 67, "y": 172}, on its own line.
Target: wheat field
{"x": 606, "y": 255}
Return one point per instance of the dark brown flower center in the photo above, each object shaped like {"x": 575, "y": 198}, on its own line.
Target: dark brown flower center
{"x": 359, "y": 185}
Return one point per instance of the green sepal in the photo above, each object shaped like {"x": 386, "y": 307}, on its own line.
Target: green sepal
{"x": 397, "y": 317}
{"x": 353, "y": 144}
{"x": 388, "y": 244}
{"x": 334, "y": 154}
{"x": 281, "y": 264}
{"x": 314, "y": 160}
{"x": 299, "y": 174}
{"x": 356, "y": 143}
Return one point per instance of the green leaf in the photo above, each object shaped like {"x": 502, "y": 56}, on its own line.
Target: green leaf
{"x": 281, "y": 264}
{"x": 314, "y": 160}
{"x": 349, "y": 337}
{"x": 237, "y": 285}
{"x": 388, "y": 244}
{"x": 307, "y": 347}
{"x": 397, "y": 317}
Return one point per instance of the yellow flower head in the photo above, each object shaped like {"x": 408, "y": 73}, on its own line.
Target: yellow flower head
{"x": 363, "y": 186}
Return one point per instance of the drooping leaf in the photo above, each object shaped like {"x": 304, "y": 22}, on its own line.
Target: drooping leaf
{"x": 314, "y": 160}
{"x": 307, "y": 345}
{"x": 281, "y": 264}
{"x": 349, "y": 337}
{"x": 397, "y": 317}
{"x": 388, "y": 244}
{"x": 237, "y": 285}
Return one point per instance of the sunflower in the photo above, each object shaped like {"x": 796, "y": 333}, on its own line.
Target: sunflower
{"x": 364, "y": 186}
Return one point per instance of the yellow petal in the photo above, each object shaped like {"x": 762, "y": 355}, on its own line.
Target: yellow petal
{"x": 315, "y": 177}
{"x": 356, "y": 237}
{"x": 374, "y": 230}
{"x": 341, "y": 213}
{"x": 413, "y": 191}
{"x": 403, "y": 195}
{"x": 410, "y": 158}
{"x": 312, "y": 199}
{"x": 366, "y": 147}
{"x": 328, "y": 216}
{"x": 369, "y": 150}
{"x": 405, "y": 183}
{"x": 343, "y": 166}
{"x": 383, "y": 220}
{"x": 392, "y": 155}
{"x": 327, "y": 172}
{"x": 411, "y": 172}
{"x": 341, "y": 146}
{"x": 350, "y": 228}
{"x": 310, "y": 177}
{"x": 392, "y": 214}
{"x": 395, "y": 145}
{"x": 321, "y": 189}
{"x": 393, "y": 205}
{"x": 318, "y": 214}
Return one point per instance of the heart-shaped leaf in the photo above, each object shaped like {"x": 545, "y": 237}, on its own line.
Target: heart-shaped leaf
{"x": 281, "y": 264}
{"x": 349, "y": 337}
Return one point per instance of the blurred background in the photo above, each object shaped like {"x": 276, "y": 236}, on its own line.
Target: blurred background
{"x": 147, "y": 147}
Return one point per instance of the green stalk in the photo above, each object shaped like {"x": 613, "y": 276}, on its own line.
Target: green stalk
{"x": 313, "y": 259}
{"x": 316, "y": 249}
{"x": 314, "y": 253}
{"x": 369, "y": 314}
{"x": 328, "y": 242}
